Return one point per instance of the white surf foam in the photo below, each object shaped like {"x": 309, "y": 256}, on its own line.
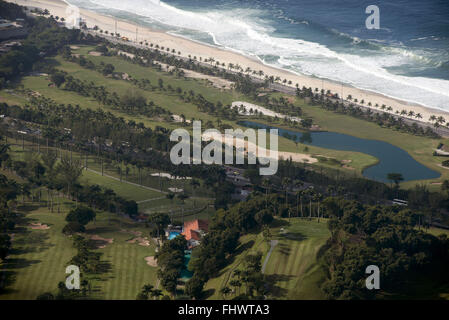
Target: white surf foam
{"x": 244, "y": 31}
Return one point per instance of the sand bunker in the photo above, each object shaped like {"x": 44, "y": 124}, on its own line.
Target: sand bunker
{"x": 151, "y": 261}
{"x": 124, "y": 53}
{"x": 214, "y": 81}
{"x": 141, "y": 241}
{"x": 177, "y": 118}
{"x": 175, "y": 190}
{"x": 250, "y": 147}
{"x": 168, "y": 176}
{"x": 95, "y": 53}
{"x": 217, "y": 82}
{"x": 101, "y": 242}
{"x": 246, "y": 107}
{"x": 39, "y": 226}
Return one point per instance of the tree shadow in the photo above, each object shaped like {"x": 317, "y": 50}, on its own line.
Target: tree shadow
{"x": 276, "y": 223}
{"x": 28, "y": 207}
{"x": 104, "y": 267}
{"x": 32, "y": 242}
{"x": 296, "y": 236}
{"x": 208, "y": 293}
{"x": 103, "y": 229}
{"x": 272, "y": 287}
{"x": 244, "y": 247}
{"x": 283, "y": 249}
{"x": 18, "y": 263}
{"x": 52, "y": 62}
{"x": 7, "y": 278}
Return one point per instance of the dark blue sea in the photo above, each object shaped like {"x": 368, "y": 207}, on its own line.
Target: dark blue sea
{"x": 406, "y": 58}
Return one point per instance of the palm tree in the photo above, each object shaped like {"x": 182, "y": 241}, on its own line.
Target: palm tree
{"x": 285, "y": 184}
{"x": 318, "y": 197}
{"x": 156, "y": 293}
{"x": 395, "y": 177}
{"x": 266, "y": 185}
{"x": 225, "y": 291}
{"x": 311, "y": 193}
{"x": 236, "y": 284}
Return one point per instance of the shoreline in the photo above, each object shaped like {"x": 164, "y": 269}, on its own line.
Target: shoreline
{"x": 193, "y": 48}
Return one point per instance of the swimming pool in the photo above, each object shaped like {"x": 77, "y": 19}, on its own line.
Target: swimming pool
{"x": 173, "y": 234}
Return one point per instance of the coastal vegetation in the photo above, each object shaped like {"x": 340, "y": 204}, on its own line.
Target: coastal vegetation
{"x": 86, "y": 179}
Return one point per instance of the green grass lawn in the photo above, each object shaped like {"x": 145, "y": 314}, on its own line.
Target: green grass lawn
{"x": 250, "y": 243}
{"x": 123, "y": 189}
{"x": 154, "y": 74}
{"x": 129, "y": 270}
{"x": 437, "y": 231}
{"x": 420, "y": 148}
{"x": 39, "y": 257}
{"x": 293, "y": 266}
{"x": 166, "y": 100}
{"x": 292, "y": 270}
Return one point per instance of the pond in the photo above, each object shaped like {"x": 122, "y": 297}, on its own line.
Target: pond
{"x": 185, "y": 273}
{"x": 391, "y": 158}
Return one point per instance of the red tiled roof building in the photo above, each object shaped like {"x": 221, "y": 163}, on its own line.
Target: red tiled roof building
{"x": 194, "y": 229}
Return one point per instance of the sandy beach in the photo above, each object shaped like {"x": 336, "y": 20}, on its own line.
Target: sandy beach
{"x": 187, "y": 47}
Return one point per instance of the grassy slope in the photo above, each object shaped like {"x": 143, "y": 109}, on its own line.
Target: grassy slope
{"x": 129, "y": 271}
{"x": 168, "y": 101}
{"x": 292, "y": 267}
{"x": 123, "y": 189}
{"x": 250, "y": 243}
{"x": 40, "y": 257}
{"x": 418, "y": 147}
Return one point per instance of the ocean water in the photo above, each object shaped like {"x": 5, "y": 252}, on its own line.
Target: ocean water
{"x": 407, "y": 58}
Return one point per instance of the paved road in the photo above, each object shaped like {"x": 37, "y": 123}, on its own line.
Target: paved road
{"x": 273, "y": 244}
{"x": 148, "y": 200}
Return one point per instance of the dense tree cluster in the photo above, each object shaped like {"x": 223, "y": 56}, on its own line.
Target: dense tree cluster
{"x": 45, "y": 38}
{"x": 223, "y": 237}
{"x": 170, "y": 259}
{"x": 77, "y": 219}
{"x": 386, "y": 237}
{"x": 89, "y": 129}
